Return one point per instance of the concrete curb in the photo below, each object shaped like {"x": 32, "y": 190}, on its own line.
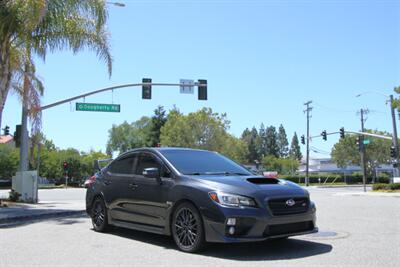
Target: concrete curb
{"x": 41, "y": 216}
{"x": 340, "y": 186}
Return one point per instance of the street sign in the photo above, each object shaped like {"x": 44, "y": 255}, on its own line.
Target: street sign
{"x": 187, "y": 86}
{"x": 98, "y": 107}
{"x": 366, "y": 141}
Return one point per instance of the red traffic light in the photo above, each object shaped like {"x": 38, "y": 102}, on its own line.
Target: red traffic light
{"x": 65, "y": 166}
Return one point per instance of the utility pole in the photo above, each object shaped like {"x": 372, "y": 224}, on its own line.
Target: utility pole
{"x": 362, "y": 150}
{"x": 395, "y": 140}
{"x": 307, "y": 111}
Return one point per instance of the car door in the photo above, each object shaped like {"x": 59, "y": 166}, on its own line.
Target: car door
{"x": 148, "y": 197}
{"x": 116, "y": 190}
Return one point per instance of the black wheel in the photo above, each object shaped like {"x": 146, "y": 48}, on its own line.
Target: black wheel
{"x": 187, "y": 228}
{"x": 99, "y": 216}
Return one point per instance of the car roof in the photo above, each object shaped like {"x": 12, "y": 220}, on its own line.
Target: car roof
{"x": 161, "y": 149}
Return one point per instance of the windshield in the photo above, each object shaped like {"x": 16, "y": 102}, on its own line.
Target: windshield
{"x": 197, "y": 162}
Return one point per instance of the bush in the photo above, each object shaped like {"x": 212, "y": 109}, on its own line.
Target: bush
{"x": 394, "y": 186}
{"x": 355, "y": 178}
{"x": 389, "y": 187}
{"x": 14, "y": 196}
{"x": 379, "y": 187}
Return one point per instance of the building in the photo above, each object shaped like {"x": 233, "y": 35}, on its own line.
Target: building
{"x": 7, "y": 140}
{"x": 326, "y": 165}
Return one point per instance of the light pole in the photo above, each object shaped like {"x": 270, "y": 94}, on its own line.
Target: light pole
{"x": 390, "y": 100}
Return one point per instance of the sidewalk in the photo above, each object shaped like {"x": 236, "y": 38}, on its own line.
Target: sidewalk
{"x": 56, "y": 202}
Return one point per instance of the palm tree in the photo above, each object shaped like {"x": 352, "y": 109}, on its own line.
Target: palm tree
{"x": 34, "y": 27}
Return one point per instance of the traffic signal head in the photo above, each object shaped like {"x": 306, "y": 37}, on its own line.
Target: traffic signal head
{"x": 393, "y": 152}
{"x": 202, "y": 88}
{"x": 342, "y": 132}
{"x": 17, "y": 135}
{"x": 359, "y": 142}
{"x": 324, "y": 135}
{"x": 6, "y": 130}
{"x": 303, "y": 140}
{"x": 65, "y": 166}
{"x": 146, "y": 88}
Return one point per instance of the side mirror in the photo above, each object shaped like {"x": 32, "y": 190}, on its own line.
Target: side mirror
{"x": 152, "y": 173}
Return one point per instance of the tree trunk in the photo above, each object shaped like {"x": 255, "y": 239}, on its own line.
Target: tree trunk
{"x": 5, "y": 75}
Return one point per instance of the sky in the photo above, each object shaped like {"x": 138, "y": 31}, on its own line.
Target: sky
{"x": 262, "y": 59}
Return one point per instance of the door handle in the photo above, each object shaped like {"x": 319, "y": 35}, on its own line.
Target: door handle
{"x": 133, "y": 186}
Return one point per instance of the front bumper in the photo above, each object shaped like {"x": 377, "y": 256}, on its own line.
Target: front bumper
{"x": 256, "y": 224}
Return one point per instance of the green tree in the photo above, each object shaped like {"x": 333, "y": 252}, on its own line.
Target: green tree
{"x": 271, "y": 142}
{"x": 252, "y": 140}
{"x": 294, "y": 151}
{"x": 235, "y": 149}
{"x": 280, "y": 165}
{"x": 157, "y": 122}
{"x": 31, "y": 28}
{"x": 9, "y": 158}
{"x": 282, "y": 143}
{"x": 346, "y": 151}
{"x": 128, "y": 136}
{"x": 260, "y": 142}
{"x": 396, "y": 102}
{"x": 202, "y": 129}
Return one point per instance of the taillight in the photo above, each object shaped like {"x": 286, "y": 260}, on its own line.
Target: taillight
{"x": 90, "y": 181}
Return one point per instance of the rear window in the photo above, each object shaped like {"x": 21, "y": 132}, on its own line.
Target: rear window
{"x": 198, "y": 162}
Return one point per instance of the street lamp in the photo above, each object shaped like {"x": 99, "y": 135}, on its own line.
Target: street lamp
{"x": 394, "y": 136}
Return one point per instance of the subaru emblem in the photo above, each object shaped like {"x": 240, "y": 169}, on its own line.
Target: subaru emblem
{"x": 290, "y": 202}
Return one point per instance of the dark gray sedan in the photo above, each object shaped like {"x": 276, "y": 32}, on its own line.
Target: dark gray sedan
{"x": 196, "y": 196}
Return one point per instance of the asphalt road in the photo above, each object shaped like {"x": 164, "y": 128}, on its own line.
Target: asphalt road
{"x": 356, "y": 230}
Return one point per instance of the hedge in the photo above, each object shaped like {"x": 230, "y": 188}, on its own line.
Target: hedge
{"x": 355, "y": 178}
{"x": 388, "y": 187}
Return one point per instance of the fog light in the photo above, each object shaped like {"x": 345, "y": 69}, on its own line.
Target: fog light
{"x": 231, "y": 221}
{"x": 231, "y": 230}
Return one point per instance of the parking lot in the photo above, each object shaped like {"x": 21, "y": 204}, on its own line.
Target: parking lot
{"x": 355, "y": 230}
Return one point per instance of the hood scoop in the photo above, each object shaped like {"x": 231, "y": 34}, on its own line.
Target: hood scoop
{"x": 263, "y": 180}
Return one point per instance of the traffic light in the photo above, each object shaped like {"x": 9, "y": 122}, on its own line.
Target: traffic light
{"x": 359, "y": 142}
{"x": 65, "y": 166}
{"x": 342, "y": 132}
{"x": 393, "y": 152}
{"x": 324, "y": 135}
{"x": 146, "y": 89}
{"x": 17, "y": 135}
{"x": 6, "y": 130}
{"x": 202, "y": 88}
{"x": 303, "y": 140}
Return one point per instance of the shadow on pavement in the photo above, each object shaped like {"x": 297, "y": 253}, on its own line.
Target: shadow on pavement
{"x": 257, "y": 251}
{"x": 64, "y": 217}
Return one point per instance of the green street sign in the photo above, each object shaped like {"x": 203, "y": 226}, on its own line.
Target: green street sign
{"x": 366, "y": 142}
{"x": 98, "y": 107}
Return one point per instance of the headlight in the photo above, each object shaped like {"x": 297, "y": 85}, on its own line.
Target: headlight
{"x": 230, "y": 200}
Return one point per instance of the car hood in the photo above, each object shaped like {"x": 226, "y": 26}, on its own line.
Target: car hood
{"x": 252, "y": 186}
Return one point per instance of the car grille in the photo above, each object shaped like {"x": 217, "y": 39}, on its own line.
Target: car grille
{"x": 280, "y": 207}
{"x": 289, "y": 228}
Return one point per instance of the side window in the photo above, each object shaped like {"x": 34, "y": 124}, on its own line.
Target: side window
{"x": 123, "y": 165}
{"x": 149, "y": 161}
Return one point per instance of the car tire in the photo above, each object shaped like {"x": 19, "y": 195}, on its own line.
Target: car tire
{"x": 187, "y": 228}
{"x": 99, "y": 216}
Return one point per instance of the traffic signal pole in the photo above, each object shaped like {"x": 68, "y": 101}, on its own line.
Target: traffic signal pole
{"x": 395, "y": 140}
{"x": 24, "y": 155}
{"x": 308, "y": 109}
{"x": 362, "y": 151}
